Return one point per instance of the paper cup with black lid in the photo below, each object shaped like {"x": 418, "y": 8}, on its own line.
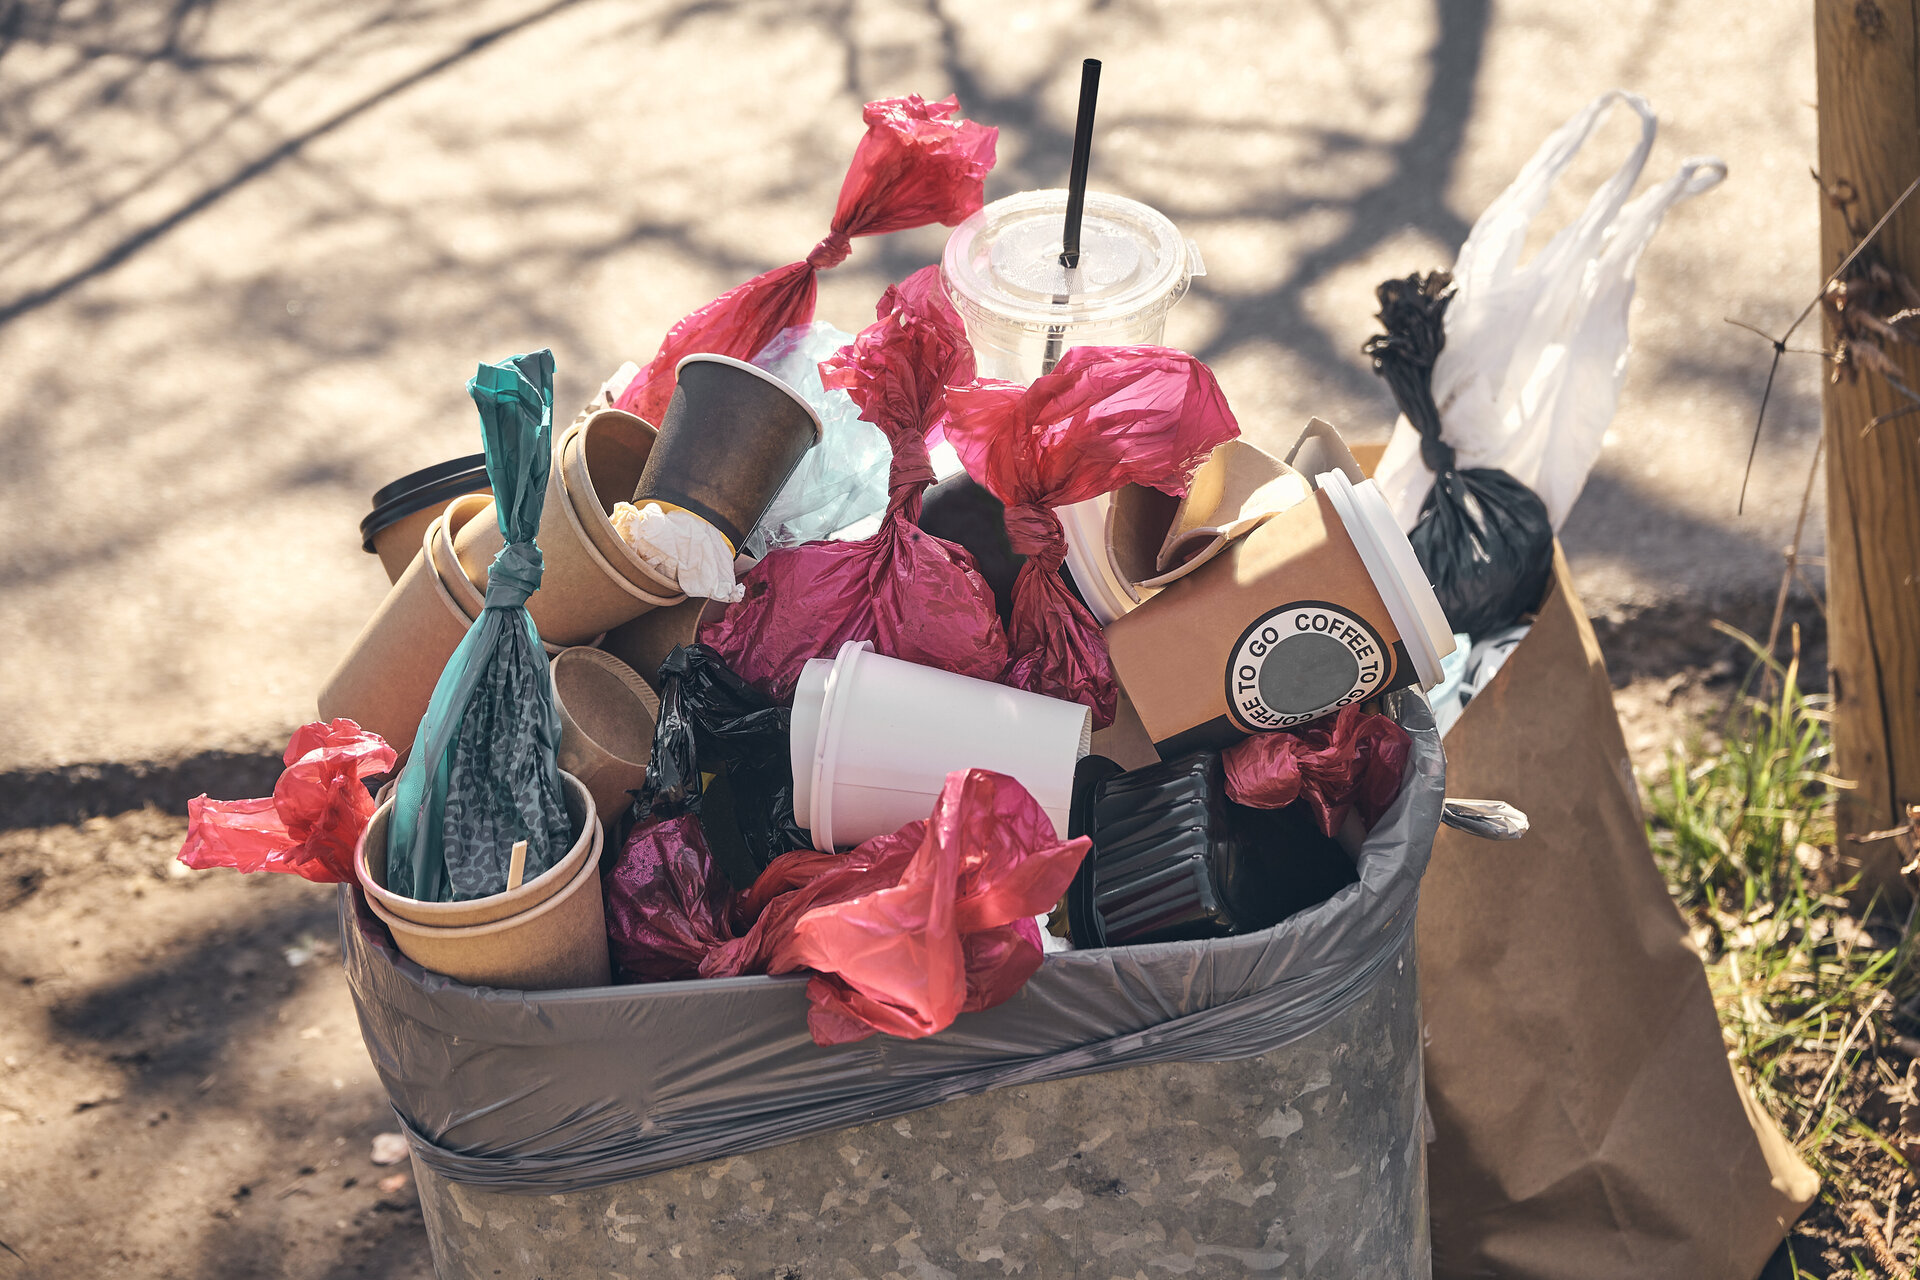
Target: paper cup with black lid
{"x": 1320, "y": 606}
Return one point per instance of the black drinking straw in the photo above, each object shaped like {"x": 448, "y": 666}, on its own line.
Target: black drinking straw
{"x": 1082, "y": 156}
{"x": 1076, "y": 199}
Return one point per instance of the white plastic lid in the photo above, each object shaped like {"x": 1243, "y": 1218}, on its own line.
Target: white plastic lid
{"x": 809, "y": 701}
{"x": 1005, "y": 261}
{"x": 827, "y": 744}
{"x": 1396, "y": 572}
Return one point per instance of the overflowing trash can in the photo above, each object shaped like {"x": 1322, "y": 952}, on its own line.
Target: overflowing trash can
{"x": 1248, "y": 1105}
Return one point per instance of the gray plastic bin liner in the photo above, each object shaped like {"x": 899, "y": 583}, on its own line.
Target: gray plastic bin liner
{"x": 561, "y": 1091}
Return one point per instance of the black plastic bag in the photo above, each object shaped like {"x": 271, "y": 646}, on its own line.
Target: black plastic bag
{"x": 712, "y": 720}
{"x": 1483, "y": 537}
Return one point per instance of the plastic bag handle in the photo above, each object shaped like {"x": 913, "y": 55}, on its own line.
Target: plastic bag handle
{"x": 1488, "y": 819}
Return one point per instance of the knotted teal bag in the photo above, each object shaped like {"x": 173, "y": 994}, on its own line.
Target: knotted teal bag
{"x": 482, "y": 773}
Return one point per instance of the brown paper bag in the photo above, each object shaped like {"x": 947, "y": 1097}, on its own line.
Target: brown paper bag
{"x": 1588, "y": 1127}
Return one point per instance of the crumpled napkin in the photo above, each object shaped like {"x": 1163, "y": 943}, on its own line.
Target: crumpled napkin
{"x": 681, "y": 547}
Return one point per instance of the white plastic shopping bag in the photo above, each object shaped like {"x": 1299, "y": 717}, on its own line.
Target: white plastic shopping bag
{"x": 1536, "y": 351}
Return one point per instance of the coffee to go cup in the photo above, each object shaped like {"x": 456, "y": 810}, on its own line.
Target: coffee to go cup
{"x": 1320, "y": 606}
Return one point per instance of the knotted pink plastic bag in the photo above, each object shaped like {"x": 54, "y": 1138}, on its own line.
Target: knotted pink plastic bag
{"x": 1353, "y": 761}
{"x": 915, "y": 596}
{"x": 916, "y": 165}
{"x": 1105, "y": 417}
{"x": 912, "y": 929}
{"x": 310, "y": 826}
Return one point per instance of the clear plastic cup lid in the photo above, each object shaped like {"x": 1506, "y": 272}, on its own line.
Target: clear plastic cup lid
{"x": 1005, "y": 260}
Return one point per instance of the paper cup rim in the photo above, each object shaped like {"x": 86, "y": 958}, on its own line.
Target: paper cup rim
{"x": 1395, "y": 570}
{"x": 631, "y": 680}
{"x": 380, "y": 893}
{"x": 1084, "y": 524}
{"x": 714, "y": 357}
{"x": 589, "y": 866}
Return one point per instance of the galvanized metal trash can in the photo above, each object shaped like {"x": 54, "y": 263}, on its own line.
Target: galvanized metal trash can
{"x": 1309, "y": 1161}
{"x": 1247, "y": 1106}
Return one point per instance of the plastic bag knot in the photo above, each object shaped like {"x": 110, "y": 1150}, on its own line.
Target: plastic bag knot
{"x": 830, "y": 252}
{"x": 1035, "y": 532}
{"x": 514, "y": 575}
{"x": 911, "y": 464}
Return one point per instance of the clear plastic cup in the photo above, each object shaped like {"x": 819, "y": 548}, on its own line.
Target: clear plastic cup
{"x": 1023, "y": 309}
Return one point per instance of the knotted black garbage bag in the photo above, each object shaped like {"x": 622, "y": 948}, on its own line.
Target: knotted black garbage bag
{"x": 1483, "y": 537}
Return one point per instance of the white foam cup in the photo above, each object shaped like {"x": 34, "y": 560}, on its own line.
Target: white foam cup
{"x": 891, "y": 731}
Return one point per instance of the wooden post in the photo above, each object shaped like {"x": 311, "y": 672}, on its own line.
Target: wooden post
{"x": 1869, "y": 87}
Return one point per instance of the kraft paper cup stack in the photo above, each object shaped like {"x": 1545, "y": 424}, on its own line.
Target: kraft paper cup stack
{"x": 555, "y": 942}
{"x": 581, "y": 594}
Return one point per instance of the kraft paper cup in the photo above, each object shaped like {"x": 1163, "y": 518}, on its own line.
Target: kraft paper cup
{"x": 731, "y": 436}
{"x": 607, "y": 715}
{"x": 370, "y": 868}
{"x": 644, "y": 643}
{"x": 402, "y": 510}
{"x": 555, "y": 944}
{"x": 891, "y": 731}
{"x": 581, "y": 594}
{"x": 458, "y": 590}
{"x": 601, "y": 462}
{"x": 388, "y": 674}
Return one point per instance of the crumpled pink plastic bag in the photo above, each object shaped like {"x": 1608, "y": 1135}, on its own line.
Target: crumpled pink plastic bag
{"x": 916, "y": 165}
{"x": 667, "y": 901}
{"x": 909, "y": 930}
{"x": 1354, "y": 761}
{"x": 915, "y": 596}
{"x": 310, "y": 826}
{"x": 1105, "y": 417}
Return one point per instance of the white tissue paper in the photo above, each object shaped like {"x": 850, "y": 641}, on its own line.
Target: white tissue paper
{"x": 680, "y": 547}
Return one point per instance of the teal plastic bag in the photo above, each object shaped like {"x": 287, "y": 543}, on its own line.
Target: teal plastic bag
{"x": 482, "y": 774}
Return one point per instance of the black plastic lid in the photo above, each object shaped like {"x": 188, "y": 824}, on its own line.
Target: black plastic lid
{"x": 427, "y": 487}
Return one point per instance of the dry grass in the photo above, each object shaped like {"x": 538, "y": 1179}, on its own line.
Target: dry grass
{"x": 1819, "y": 1001}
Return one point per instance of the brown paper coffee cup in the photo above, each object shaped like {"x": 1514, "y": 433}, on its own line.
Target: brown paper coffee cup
{"x": 388, "y": 674}
{"x": 581, "y": 594}
{"x": 644, "y": 643}
{"x": 607, "y": 715}
{"x": 1281, "y": 627}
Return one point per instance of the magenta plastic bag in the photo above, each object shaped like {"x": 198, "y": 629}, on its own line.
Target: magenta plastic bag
{"x": 310, "y": 826}
{"x": 916, "y": 165}
{"x": 1105, "y": 417}
{"x": 912, "y": 929}
{"x": 915, "y": 596}
{"x": 666, "y": 901}
{"x": 1352, "y": 762}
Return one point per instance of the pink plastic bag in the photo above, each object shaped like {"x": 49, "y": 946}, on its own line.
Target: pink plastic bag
{"x": 915, "y": 596}
{"x": 1352, "y": 762}
{"x": 909, "y": 930}
{"x": 916, "y": 165}
{"x": 310, "y": 826}
{"x": 1105, "y": 417}
{"x": 666, "y": 901}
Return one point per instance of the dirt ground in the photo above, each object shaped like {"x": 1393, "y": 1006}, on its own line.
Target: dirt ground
{"x": 183, "y": 1090}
